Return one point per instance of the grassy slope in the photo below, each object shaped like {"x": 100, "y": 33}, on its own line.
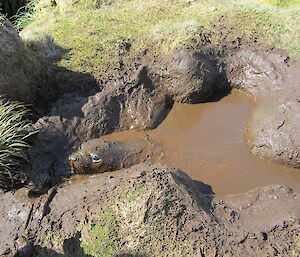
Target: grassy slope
{"x": 93, "y": 30}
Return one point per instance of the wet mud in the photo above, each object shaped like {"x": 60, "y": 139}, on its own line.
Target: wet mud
{"x": 208, "y": 141}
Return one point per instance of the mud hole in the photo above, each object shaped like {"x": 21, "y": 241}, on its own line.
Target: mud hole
{"x": 208, "y": 142}
{"x": 158, "y": 210}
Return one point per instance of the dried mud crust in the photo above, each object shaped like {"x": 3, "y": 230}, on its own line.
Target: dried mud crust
{"x": 150, "y": 210}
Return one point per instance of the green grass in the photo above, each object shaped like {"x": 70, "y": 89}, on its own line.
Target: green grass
{"x": 280, "y": 3}
{"x": 25, "y": 15}
{"x": 94, "y": 31}
{"x": 13, "y": 134}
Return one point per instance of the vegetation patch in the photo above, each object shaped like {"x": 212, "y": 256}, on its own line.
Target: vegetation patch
{"x": 25, "y": 15}
{"x": 98, "y": 33}
{"x": 13, "y": 134}
{"x": 99, "y": 237}
{"x": 281, "y": 3}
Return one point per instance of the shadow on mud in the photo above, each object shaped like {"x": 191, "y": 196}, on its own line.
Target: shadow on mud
{"x": 61, "y": 84}
{"x": 203, "y": 188}
{"x": 71, "y": 247}
{"x": 207, "y": 195}
{"x": 218, "y": 96}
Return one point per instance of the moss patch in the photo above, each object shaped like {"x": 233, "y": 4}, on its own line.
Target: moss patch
{"x": 99, "y": 237}
{"x": 97, "y": 33}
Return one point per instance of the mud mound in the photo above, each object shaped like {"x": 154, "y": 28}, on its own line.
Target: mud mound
{"x": 273, "y": 80}
{"x": 189, "y": 75}
{"x": 151, "y": 210}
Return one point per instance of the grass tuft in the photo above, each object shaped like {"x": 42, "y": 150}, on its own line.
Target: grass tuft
{"x": 13, "y": 135}
{"x": 25, "y": 15}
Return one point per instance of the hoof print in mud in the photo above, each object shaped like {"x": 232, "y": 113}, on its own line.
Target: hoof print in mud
{"x": 100, "y": 155}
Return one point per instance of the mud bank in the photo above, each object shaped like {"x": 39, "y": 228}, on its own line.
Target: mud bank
{"x": 273, "y": 80}
{"x": 150, "y": 210}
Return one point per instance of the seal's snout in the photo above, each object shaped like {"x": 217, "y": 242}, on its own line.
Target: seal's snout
{"x": 71, "y": 158}
{"x": 73, "y": 163}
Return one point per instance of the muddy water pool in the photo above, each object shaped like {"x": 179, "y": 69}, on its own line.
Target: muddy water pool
{"x": 208, "y": 142}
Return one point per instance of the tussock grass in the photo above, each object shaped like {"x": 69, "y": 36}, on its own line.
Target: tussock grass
{"x": 13, "y": 134}
{"x": 25, "y": 15}
{"x": 94, "y": 30}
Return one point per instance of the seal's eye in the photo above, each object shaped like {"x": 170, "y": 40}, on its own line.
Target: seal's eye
{"x": 80, "y": 147}
{"x": 95, "y": 158}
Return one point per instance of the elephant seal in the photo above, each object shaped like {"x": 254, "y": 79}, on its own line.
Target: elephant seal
{"x": 101, "y": 155}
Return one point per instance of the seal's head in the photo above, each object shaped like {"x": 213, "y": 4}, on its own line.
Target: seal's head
{"x": 87, "y": 160}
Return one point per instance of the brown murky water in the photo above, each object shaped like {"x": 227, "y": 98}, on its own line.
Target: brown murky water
{"x": 207, "y": 141}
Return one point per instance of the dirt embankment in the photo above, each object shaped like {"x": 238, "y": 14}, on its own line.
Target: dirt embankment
{"x": 150, "y": 210}
{"x": 27, "y": 77}
{"x": 22, "y": 75}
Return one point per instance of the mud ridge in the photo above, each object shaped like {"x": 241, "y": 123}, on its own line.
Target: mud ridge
{"x": 154, "y": 209}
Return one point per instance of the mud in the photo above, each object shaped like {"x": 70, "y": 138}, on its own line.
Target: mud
{"x": 140, "y": 95}
{"x": 273, "y": 80}
{"x": 190, "y": 76}
{"x": 208, "y": 142}
{"x": 154, "y": 209}
{"x": 158, "y": 211}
